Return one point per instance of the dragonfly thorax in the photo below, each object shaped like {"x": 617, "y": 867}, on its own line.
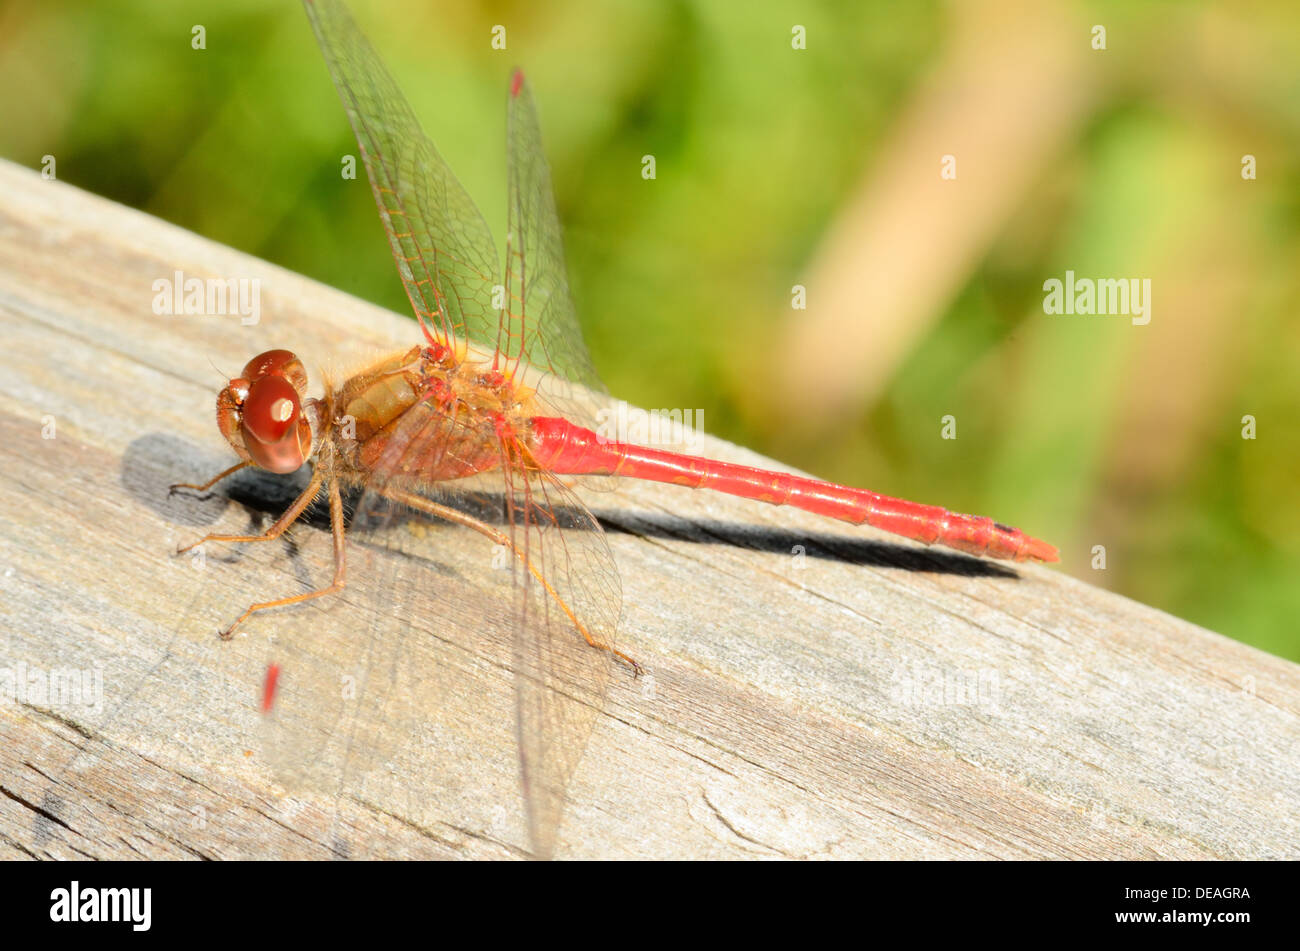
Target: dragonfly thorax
{"x": 427, "y": 412}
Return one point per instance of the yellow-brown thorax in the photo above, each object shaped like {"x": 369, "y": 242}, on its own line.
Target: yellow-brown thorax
{"x": 427, "y": 412}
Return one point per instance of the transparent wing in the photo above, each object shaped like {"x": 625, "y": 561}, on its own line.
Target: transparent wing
{"x": 441, "y": 245}
{"x": 405, "y": 703}
{"x": 540, "y": 326}
{"x": 567, "y": 605}
{"x": 563, "y": 599}
{"x": 443, "y": 248}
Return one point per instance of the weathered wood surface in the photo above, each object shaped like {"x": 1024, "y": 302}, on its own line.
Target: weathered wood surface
{"x": 863, "y": 698}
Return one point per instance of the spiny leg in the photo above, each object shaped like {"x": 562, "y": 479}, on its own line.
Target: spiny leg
{"x": 501, "y": 538}
{"x": 290, "y": 516}
{"x": 336, "y": 528}
{"x": 211, "y": 482}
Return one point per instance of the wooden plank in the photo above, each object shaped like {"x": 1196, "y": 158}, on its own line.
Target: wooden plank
{"x": 813, "y": 690}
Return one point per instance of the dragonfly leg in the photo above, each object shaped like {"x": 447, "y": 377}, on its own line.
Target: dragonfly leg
{"x": 501, "y": 538}
{"x": 340, "y": 562}
{"x": 275, "y": 531}
{"x": 211, "y": 482}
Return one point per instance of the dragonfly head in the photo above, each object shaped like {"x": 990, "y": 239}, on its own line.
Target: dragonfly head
{"x": 260, "y": 412}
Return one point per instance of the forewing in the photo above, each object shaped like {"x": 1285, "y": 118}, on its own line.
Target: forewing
{"x": 442, "y": 246}
{"x": 415, "y": 705}
{"x": 556, "y": 584}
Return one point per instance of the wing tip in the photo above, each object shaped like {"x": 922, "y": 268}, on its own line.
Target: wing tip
{"x": 268, "y": 688}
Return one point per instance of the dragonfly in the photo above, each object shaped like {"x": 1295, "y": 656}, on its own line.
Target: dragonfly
{"x": 490, "y": 403}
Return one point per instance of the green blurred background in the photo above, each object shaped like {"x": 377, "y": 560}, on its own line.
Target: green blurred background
{"x": 818, "y": 167}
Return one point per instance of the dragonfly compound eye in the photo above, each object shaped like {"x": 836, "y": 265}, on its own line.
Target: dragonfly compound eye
{"x": 276, "y": 435}
{"x": 260, "y": 412}
{"x": 271, "y": 409}
{"x": 281, "y": 363}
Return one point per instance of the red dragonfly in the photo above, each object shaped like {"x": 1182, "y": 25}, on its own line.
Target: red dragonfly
{"x": 495, "y": 390}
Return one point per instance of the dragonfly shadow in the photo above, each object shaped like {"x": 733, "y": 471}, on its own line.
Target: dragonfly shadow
{"x": 834, "y": 547}
{"x": 153, "y": 462}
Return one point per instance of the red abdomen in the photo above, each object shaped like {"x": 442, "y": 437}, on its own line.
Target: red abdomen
{"x": 560, "y": 446}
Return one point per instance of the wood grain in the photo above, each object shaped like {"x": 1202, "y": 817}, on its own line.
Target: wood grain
{"x": 813, "y": 690}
